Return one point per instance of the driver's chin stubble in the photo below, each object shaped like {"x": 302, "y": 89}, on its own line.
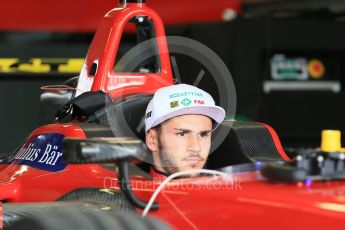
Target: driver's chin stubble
{"x": 169, "y": 164}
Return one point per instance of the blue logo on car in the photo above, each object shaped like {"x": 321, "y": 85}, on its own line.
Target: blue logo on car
{"x": 42, "y": 151}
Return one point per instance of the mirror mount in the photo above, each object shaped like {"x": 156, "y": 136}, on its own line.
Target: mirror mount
{"x": 118, "y": 151}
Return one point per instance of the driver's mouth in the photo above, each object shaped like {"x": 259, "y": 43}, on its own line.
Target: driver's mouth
{"x": 193, "y": 160}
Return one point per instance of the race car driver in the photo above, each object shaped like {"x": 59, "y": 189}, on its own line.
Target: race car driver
{"x": 179, "y": 121}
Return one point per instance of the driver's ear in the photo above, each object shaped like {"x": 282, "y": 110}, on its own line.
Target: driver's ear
{"x": 151, "y": 140}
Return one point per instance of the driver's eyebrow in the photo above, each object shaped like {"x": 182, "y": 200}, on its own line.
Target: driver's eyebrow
{"x": 189, "y": 131}
{"x": 183, "y": 130}
{"x": 207, "y": 131}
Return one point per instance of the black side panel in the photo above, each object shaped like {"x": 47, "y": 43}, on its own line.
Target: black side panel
{"x": 246, "y": 142}
{"x": 255, "y": 141}
{"x": 95, "y": 130}
{"x": 114, "y": 199}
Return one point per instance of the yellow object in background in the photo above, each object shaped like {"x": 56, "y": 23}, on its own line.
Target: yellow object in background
{"x": 41, "y": 65}
{"x": 331, "y": 141}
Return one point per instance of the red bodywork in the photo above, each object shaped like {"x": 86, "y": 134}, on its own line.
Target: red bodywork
{"x": 201, "y": 203}
{"x": 104, "y": 49}
{"x": 243, "y": 201}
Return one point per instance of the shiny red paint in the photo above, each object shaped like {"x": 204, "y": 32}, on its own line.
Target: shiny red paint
{"x": 25, "y": 184}
{"x": 15, "y": 178}
{"x": 68, "y": 130}
{"x": 84, "y": 16}
{"x": 198, "y": 203}
{"x": 103, "y": 51}
{"x": 1, "y": 223}
{"x": 20, "y": 183}
{"x": 194, "y": 203}
{"x": 255, "y": 204}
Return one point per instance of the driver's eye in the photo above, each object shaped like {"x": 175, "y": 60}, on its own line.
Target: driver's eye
{"x": 206, "y": 134}
{"x": 181, "y": 134}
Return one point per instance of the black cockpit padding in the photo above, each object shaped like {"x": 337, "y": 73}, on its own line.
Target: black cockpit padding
{"x": 125, "y": 117}
{"x": 246, "y": 142}
{"x": 83, "y": 106}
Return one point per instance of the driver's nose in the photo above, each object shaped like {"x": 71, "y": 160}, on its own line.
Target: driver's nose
{"x": 194, "y": 143}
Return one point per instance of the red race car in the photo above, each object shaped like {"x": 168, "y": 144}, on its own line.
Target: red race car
{"x": 89, "y": 169}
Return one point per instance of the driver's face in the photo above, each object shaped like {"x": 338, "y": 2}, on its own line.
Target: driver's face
{"x": 183, "y": 143}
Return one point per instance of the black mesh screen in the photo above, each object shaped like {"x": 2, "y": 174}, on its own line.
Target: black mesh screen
{"x": 246, "y": 142}
{"x": 255, "y": 141}
{"x": 96, "y": 130}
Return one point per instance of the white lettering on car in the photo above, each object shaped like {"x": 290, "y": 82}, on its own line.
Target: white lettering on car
{"x": 50, "y": 157}
{"x": 45, "y": 154}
